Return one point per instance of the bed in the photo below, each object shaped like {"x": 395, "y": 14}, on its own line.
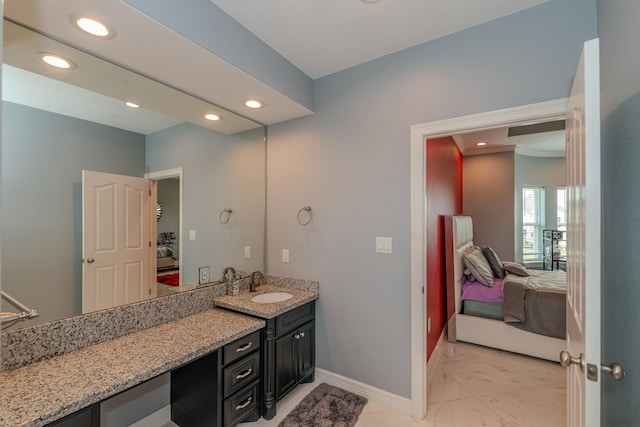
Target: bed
{"x": 166, "y": 259}
{"x": 488, "y": 325}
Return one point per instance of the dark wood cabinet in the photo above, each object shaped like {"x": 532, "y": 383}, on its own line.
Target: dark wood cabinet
{"x": 220, "y": 389}
{"x": 295, "y": 358}
{"x": 288, "y": 354}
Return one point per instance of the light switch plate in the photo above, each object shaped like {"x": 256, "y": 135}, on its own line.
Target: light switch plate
{"x": 384, "y": 245}
{"x": 285, "y": 255}
{"x": 247, "y": 252}
{"x": 192, "y": 234}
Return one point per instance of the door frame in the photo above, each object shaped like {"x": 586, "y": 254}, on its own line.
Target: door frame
{"x": 172, "y": 173}
{"x": 549, "y": 110}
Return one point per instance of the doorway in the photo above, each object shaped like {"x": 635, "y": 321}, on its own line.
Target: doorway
{"x": 546, "y": 111}
{"x": 168, "y": 185}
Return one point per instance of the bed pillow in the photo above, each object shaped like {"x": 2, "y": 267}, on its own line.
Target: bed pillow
{"x": 478, "y": 265}
{"x": 494, "y": 262}
{"x": 515, "y": 268}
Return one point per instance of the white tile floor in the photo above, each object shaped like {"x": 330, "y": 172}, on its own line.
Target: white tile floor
{"x": 471, "y": 386}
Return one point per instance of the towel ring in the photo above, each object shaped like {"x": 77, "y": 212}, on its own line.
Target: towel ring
{"x": 306, "y": 209}
{"x": 222, "y": 216}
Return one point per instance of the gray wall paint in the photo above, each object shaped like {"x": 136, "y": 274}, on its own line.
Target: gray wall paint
{"x": 212, "y": 28}
{"x": 620, "y": 89}
{"x": 350, "y": 162}
{"x": 488, "y": 196}
{"x": 43, "y": 158}
{"x": 220, "y": 171}
{"x": 548, "y": 172}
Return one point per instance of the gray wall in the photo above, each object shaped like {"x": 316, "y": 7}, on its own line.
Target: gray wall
{"x": 220, "y": 171}
{"x": 350, "y": 162}
{"x": 43, "y": 158}
{"x": 488, "y": 196}
{"x": 620, "y": 104}
{"x": 548, "y": 172}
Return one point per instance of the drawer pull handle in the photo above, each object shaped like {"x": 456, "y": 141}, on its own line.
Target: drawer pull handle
{"x": 244, "y": 405}
{"x": 244, "y": 347}
{"x": 245, "y": 374}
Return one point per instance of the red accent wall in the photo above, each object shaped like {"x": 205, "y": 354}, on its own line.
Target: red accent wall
{"x": 444, "y": 197}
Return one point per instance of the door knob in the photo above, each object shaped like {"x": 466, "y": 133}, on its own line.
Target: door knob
{"x": 615, "y": 370}
{"x": 566, "y": 360}
{"x": 90, "y": 260}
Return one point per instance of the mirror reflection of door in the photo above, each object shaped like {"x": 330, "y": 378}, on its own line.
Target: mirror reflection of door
{"x": 116, "y": 234}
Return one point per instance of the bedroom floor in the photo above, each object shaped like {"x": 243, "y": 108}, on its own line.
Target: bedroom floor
{"x": 471, "y": 386}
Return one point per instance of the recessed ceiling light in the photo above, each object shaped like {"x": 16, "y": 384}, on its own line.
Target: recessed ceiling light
{"x": 253, "y": 103}
{"x": 131, "y": 104}
{"x": 212, "y": 117}
{"x": 480, "y": 144}
{"x": 92, "y": 26}
{"x": 370, "y": 1}
{"x": 56, "y": 60}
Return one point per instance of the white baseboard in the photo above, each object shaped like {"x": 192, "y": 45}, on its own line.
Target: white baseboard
{"x": 399, "y": 403}
{"x": 162, "y": 417}
{"x": 435, "y": 354}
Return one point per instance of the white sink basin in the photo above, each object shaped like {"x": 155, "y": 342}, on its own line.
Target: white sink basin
{"x": 268, "y": 297}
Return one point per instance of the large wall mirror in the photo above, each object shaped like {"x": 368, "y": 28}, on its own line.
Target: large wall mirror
{"x": 49, "y": 136}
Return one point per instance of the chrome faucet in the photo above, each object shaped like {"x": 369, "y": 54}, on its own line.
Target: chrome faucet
{"x": 227, "y": 270}
{"x": 253, "y": 285}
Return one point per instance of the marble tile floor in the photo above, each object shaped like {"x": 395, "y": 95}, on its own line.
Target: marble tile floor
{"x": 470, "y": 386}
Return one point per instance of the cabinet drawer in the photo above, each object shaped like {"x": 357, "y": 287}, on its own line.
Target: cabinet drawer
{"x": 294, "y": 318}
{"x": 241, "y": 347}
{"x": 240, "y": 405}
{"x": 241, "y": 373}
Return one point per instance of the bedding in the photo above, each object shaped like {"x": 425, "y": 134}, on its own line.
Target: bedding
{"x": 536, "y": 303}
{"x": 477, "y": 264}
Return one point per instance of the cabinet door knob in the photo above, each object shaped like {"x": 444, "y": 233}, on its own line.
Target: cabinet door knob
{"x": 302, "y": 334}
{"x": 245, "y": 374}
{"x": 297, "y": 336}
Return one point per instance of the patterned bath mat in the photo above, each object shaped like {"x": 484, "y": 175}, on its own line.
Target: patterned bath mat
{"x": 326, "y": 406}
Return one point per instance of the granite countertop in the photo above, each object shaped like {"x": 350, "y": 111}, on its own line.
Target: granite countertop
{"x": 242, "y": 302}
{"x": 42, "y": 392}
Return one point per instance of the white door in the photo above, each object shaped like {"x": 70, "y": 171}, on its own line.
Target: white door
{"x": 582, "y": 356}
{"x": 115, "y": 240}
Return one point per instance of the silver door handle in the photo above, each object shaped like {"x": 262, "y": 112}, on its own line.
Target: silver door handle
{"x": 90, "y": 260}
{"x": 615, "y": 370}
{"x": 244, "y": 347}
{"x": 566, "y": 360}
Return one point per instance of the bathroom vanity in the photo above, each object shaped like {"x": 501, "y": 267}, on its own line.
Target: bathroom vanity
{"x": 230, "y": 366}
{"x": 288, "y": 339}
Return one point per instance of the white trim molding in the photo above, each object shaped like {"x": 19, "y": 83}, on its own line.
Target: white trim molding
{"x": 528, "y": 114}
{"x": 373, "y": 394}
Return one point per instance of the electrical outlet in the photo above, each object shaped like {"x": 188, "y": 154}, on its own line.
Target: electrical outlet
{"x": 247, "y": 252}
{"x": 285, "y": 255}
{"x": 203, "y": 274}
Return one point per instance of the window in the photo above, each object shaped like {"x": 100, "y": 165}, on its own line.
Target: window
{"x": 532, "y": 223}
{"x": 562, "y": 208}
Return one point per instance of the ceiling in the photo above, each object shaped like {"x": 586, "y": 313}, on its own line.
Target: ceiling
{"x": 543, "y": 144}
{"x": 332, "y": 35}
{"x": 318, "y": 36}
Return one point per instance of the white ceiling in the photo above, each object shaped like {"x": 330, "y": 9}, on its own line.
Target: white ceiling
{"x": 544, "y": 144}
{"x": 324, "y": 36}
{"x": 319, "y": 36}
